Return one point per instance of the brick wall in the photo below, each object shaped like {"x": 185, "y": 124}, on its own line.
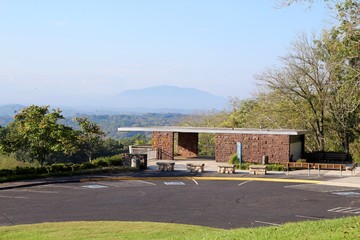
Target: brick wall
{"x": 188, "y": 144}
{"x": 254, "y": 146}
{"x": 164, "y": 142}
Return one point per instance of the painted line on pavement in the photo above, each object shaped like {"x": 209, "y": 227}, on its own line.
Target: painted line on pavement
{"x": 243, "y": 183}
{"x": 203, "y": 179}
{"x": 4, "y": 196}
{"x": 195, "y": 182}
{"x": 268, "y": 223}
{"x": 309, "y": 217}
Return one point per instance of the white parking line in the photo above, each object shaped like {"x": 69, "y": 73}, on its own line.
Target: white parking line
{"x": 268, "y": 223}
{"x": 31, "y": 191}
{"x": 150, "y": 183}
{"x": 61, "y": 186}
{"x": 4, "y": 196}
{"x": 354, "y": 210}
{"x": 243, "y": 183}
{"x": 195, "y": 181}
{"x": 309, "y": 217}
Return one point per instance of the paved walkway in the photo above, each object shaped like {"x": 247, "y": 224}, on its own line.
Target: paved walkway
{"x": 326, "y": 177}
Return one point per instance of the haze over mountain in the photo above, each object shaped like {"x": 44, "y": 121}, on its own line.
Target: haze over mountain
{"x": 160, "y": 97}
{"x": 153, "y": 99}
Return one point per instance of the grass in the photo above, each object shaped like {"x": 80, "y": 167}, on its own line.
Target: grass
{"x": 9, "y": 162}
{"x": 343, "y": 228}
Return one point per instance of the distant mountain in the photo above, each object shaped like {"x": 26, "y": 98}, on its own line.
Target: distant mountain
{"x": 10, "y": 109}
{"x": 167, "y": 97}
{"x": 159, "y": 99}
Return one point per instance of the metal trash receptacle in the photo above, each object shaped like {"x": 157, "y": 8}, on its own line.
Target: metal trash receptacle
{"x": 264, "y": 160}
{"x": 135, "y": 162}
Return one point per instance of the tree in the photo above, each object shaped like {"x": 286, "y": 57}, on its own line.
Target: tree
{"x": 324, "y": 75}
{"x": 36, "y": 133}
{"x": 303, "y": 79}
{"x": 341, "y": 54}
{"x": 89, "y": 137}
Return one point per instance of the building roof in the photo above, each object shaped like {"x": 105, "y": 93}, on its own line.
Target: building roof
{"x": 213, "y": 130}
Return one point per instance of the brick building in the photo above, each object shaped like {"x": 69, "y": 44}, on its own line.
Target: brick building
{"x": 252, "y": 144}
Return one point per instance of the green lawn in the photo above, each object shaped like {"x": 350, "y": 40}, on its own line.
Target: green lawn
{"x": 344, "y": 228}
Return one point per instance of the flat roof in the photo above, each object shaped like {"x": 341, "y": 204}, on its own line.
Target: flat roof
{"x": 213, "y": 130}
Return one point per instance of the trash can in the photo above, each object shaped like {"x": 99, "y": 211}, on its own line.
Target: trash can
{"x": 264, "y": 160}
{"x": 135, "y": 162}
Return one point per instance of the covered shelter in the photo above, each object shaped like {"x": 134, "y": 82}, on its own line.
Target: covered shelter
{"x": 277, "y": 145}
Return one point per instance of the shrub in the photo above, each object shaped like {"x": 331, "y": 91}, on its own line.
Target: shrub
{"x": 41, "y": 170}
{"x": 25, "y": 170}
{"x": 116, "y": 160}
{"x": 101, "y": 163}
{"x": 59, "y": 167}
{"x": 275, "y": 167}
{"x": 234, "y": 159}
{"x": 6, "y": 172}
{"x": 244, "y": 166}
{"x": 87, "y": 165}
{"x": 75, "y": 167}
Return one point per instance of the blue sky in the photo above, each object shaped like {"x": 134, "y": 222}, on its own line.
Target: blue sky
{"x": 73, "y": 52}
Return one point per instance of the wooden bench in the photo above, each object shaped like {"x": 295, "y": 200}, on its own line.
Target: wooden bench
{"x": 226, "y": 168}
{"x": 318, "y": 166}
{"x": 195, "y": 167}
{"x": 165, "y": 166}
{"x": 257, "y": 169}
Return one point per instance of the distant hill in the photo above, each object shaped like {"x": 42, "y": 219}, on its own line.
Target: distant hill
{"x": 158, "y": 99}
{"x": 167, "y": 97}
{"x": 10, "y": 109}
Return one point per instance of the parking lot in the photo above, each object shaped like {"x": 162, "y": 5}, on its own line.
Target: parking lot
{"x": 222, "y": 204}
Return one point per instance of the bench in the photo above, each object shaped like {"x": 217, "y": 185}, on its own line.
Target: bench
{"x": 257, "y": 169}
{"x": 165, "y": 166}
{"x": 226, "y": 168}
{"x": 195, "y": 167}
{"x": 318, "y": 166}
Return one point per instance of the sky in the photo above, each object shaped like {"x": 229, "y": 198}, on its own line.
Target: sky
{"x": 70, "y": 52}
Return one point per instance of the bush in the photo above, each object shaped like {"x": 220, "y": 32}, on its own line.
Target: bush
{"x": 41, "y": 170}
{"x": 275, "y": 167}
{"x": 116, "y": 160}
{"x": 244, "y": 166}
{"x": 234, "y": 159}
{"x": 59, "y": 167}
{"x": 6, "y": 172}
{"x": 101, "y": 163}
{"x": 25, "y": 170}
{"x": 75, "y": 167}
{"x": 87, "y": 165}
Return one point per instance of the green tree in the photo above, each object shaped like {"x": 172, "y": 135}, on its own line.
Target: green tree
{"x": 303, "y": 79}
{"x": 89, "y": 137}
{"x": 36, "y": 133}
{"x": 341, "y": 54}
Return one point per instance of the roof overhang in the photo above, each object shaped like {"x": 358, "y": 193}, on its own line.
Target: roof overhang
{"x": 213, "y": 130}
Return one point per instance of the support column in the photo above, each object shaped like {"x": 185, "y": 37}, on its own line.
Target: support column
{"x": 164, "y": 142}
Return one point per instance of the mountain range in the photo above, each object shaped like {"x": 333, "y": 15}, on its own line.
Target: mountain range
{"x": 153, "y": 99}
